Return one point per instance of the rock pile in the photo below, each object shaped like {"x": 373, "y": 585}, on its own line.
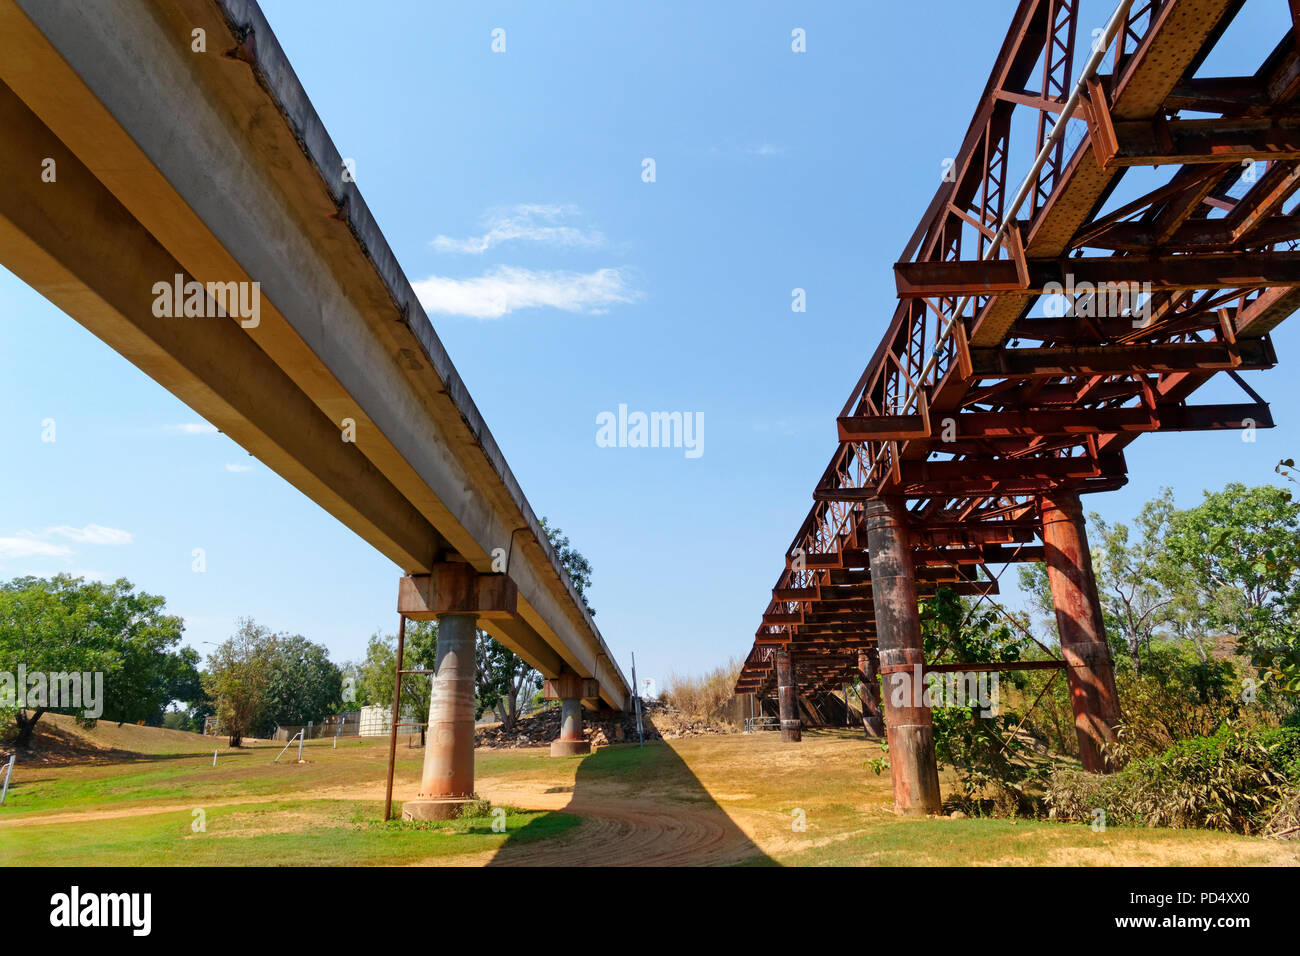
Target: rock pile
{"x": 658, "y": 721}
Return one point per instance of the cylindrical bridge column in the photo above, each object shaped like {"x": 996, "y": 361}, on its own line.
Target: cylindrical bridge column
{"x": 447, "y": 781}
{"x": 787, "y": 696}
{"x": 570, "y": 742}
{"x": 869, "y": 692}
{"x": 898, "y": 633}
{"x": 1078, "y": 619}
{"x": 569, "y": 688}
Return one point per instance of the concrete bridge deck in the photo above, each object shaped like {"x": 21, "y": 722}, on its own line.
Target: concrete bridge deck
{"x": 212, "y": 165}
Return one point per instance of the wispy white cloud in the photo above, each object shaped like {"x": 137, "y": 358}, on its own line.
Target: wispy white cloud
{"x": 90, "y": 534}
{"x": 764, "y": 149}
{"x": 507, "y": 289}
{"x": 44, "y": 544}
{"x": 230, "y": 466}
{"x": 29, "y": 547}
{"x": 192, "y": 428}
{"x": 526, "y": 223}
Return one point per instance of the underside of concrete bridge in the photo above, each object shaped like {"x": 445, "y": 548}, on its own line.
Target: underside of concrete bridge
{"x": 160, "y": 145}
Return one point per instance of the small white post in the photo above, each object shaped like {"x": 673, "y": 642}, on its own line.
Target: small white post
{"x": 8, "y": 771}
{"x": 214, "y": 758}
{"x": 301, "y": 737}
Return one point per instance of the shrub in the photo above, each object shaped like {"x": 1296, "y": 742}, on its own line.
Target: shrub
{"x": 1235, "y": 780}
{"x": 1176, "y": 697}
{"x": 703, "y": 696}
{"x": 995, "y": 771}
{"x": 475, "y": 809}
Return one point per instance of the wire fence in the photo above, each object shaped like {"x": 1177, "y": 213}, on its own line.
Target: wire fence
{"x": 367, "y": 723}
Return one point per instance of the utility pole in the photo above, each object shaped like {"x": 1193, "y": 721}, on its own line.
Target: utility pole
{"x": 636, "y": 701}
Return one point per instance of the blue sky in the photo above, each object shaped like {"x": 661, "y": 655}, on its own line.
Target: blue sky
{"x": 503, "y": 180}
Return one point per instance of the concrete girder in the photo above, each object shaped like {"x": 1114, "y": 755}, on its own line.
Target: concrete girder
{"x": 223, "y": 161}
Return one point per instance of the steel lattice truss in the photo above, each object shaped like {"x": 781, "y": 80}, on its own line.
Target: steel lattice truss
{"x": 976, "y": 402}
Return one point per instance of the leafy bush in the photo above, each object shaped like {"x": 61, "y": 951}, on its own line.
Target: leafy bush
{"x": 995, "y": 770}
{"x": 994, "y": 773}
{"x": 475, "y": 809}
{"x": 1051, "y": 721}
{"x": 1285, "y": 744}
{"x": 1235, "y": 780}
{"x": 1176, "y": 697}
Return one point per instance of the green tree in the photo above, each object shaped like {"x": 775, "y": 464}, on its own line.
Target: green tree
{"x": 1229, "y": 566}
{"x": 573, "y": 562}
{"x": 236, "y": 678}
{"x": 1134, "y": 601}
{"x": 1038, "y": 592}
{"x": 184, "y": 683}
{"x": 375, "y": 673}
{"x": 302, "y": 683}
{"x": 1231, "y": 563}
{"x": 67, "y": 625}
{"x": 503, "y": 680}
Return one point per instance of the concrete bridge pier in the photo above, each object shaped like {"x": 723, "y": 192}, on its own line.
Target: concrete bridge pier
{"x": 910, "y": 732}
{"x": 787, "y": 697}
{"x": 1089, "y": 669}
{"x": 568, "y": 689}
{"x": 456, "y": 596}
{"x": 447, "y": 781}
{"x": 869, "y": 676}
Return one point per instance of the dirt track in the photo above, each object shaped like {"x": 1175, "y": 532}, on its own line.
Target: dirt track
{"x": 627, "y": 832}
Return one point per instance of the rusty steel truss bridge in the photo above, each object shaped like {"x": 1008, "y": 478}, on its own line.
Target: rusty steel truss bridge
{"x": 1043, "y": 323}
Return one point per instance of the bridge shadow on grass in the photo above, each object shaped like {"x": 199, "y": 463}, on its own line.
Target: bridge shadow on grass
{"x": 639, "y": 806}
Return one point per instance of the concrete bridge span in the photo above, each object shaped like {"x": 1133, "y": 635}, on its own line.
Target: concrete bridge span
{"x": 150, "y": 144}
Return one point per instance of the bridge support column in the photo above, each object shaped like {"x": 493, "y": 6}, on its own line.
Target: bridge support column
{"x": 569, "y": 689}
{"x": 869, "y": 692}
{"x": 1089, "y": 669}
{"x": 456, "y": 596}
{"x": 912, "y": 760}
{"x": 447, "y": 782}
{"x": 787, "y": 697}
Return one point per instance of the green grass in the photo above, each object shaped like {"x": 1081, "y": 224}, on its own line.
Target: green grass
{"x": 246, "y": 772}
{"x": 326, "y": 810}
{"x": 983, "y": 842}
{"x": 282, "y": 833}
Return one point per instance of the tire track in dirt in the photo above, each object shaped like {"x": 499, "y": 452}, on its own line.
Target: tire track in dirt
{"x": 36, "y": 818}
{"x": 614, "y": 830}
{"x": 631, "y": 831}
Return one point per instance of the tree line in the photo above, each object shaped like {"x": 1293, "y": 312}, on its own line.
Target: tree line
{"x": 253, "y": 682}
{"x": 1225, "y": 570}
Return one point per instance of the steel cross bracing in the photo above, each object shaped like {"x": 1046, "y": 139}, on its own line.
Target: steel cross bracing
{"x": 976, "y": 402}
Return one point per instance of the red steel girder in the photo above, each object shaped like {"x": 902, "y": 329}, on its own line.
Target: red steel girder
{"x": 1021, "y": 423}
{"x": 1232, "y": 270}
{"x": 1166, "y": 357}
